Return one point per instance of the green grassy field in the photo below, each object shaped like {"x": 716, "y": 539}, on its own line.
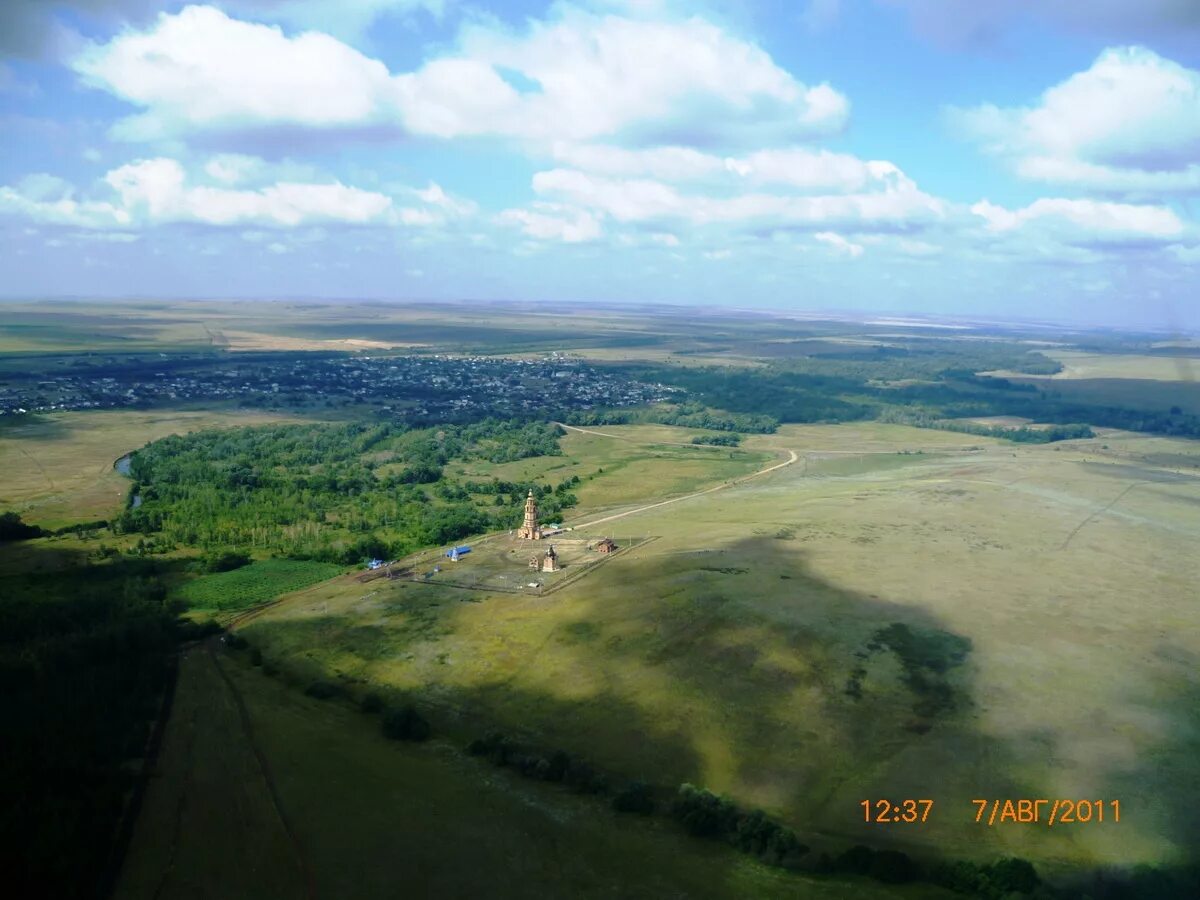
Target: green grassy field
{"x": 255, "y": 583}
{"x": 373, "y": 818}
{"x": 643, "y": 462}
{"x": 724, "y": 652}
{"x": 58, "y": 467}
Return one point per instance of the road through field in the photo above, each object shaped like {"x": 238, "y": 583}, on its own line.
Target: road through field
{"x": 792, "y": 457}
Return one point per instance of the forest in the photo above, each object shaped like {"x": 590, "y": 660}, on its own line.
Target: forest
{"x": 334, "y": 493}
{"x": 926, "y": 384}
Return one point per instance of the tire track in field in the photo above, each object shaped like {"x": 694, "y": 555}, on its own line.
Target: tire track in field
{"x": 41, "y": 469}
{"x": 180, "y": 808}
{"x": 310, "y": 883}
{"x": 1111, "y": 503}
{"x": 792, "y": 457}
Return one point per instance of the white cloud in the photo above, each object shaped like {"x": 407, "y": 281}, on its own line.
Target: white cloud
{"x": 1085, "y": 218}
{"x": 665, "y": 163}
{"x": 897, "y": 202}
{"x": 550, "y": 221}
{"x": 577, "y": 76}
{"x": 157, "y": 191}
{"x": 1189, "y": 256}
{"x": 839, "y": 244}
{"x": 201, "y": 69}
{"x": 1131, "y": 122}
{"x": 793, "y": 167}
{"x": 233, "y": 168}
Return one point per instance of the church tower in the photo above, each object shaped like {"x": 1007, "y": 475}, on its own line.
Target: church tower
{"x": 530, "y": 530}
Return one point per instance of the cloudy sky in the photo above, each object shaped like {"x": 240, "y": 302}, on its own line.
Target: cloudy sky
{"x": 1010, "y": 158}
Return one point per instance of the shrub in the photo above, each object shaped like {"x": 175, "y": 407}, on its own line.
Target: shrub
{"x": 702, "y": 813}
{"x": 1013, "y": 874}
{"x": 256, "y": 658}
{"x": 893, "y": 867}
{"x": 581, "y": 777}
{"x": 322, "y": 690}
{"x": 634, "y": 798}
{"x": 857, "y": 859}
{"x": 371, "y": 703}
{"x": 13, "y": 529}
{"x": 225, "y": 562}
{"x": 769, "y": 841}
{"x": 559, "y": 762}
{"x": 405, "y": 724}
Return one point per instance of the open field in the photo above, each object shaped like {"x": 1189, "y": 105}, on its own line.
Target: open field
{"x": 1079, "y": 364}
{"x": 905, "y": 613}
{"x": 58, "y": 468}
{"x": 366, "y": 817}
{"x": 643, "y": 462}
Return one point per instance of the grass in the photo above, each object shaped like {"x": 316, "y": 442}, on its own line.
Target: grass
{"x": 255, "y": 583}
{"x": 1022, "y": 617}
{"x": 642, "y": 462}
{"x": 1078, "y": 365}
{"x": 373, "y": 817}
{"x": 58, "y": 467}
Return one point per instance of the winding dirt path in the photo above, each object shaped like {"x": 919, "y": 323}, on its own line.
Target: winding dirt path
{"x": 792, "y": 457}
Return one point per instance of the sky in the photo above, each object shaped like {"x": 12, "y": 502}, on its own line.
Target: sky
{"x": 1011, "y": 159}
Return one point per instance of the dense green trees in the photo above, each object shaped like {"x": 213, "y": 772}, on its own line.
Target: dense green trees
{"x": 718, "y": 440}
{"x": 338, "y": 493}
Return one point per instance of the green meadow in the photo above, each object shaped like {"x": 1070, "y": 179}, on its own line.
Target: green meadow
{"x": 901, "y": 613}
{"x": 252, "y": 584}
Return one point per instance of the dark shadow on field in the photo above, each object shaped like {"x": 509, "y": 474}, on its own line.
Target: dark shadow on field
{"x": 746, "y": 630}
{"x": 1173, "y": 802}
{"x": 743, "y": 670}
{"x": 31, "y": 426}
{"x": 84, "y": 661}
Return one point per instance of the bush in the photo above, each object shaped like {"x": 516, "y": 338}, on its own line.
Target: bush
{"x": 256, "y": 658}
{"x": 769, "y": 841}
{"x": 702, "y": 813}
{"x": 322, "y": 690}
{"x": 13, "y": 529}
{"x": 559, "y": 762}
{"x": 857, "y": 859}
{"x": 582, "y": 778}
{"x": 634, "y": 798}
{"x": 893, "y": 867}
{"x": 405, "y": 724}
{"x": 371, "y": 703}
{"x": 225, "y": 562}
{"x": 1013, "y": 874}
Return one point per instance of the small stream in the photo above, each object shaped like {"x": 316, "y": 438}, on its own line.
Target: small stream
{"x": 122, "y": 465}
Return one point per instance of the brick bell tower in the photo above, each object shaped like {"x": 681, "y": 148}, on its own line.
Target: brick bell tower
{"x": 530, "y": 530}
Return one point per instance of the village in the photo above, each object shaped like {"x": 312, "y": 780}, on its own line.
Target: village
{"x": 416, "y": 388}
